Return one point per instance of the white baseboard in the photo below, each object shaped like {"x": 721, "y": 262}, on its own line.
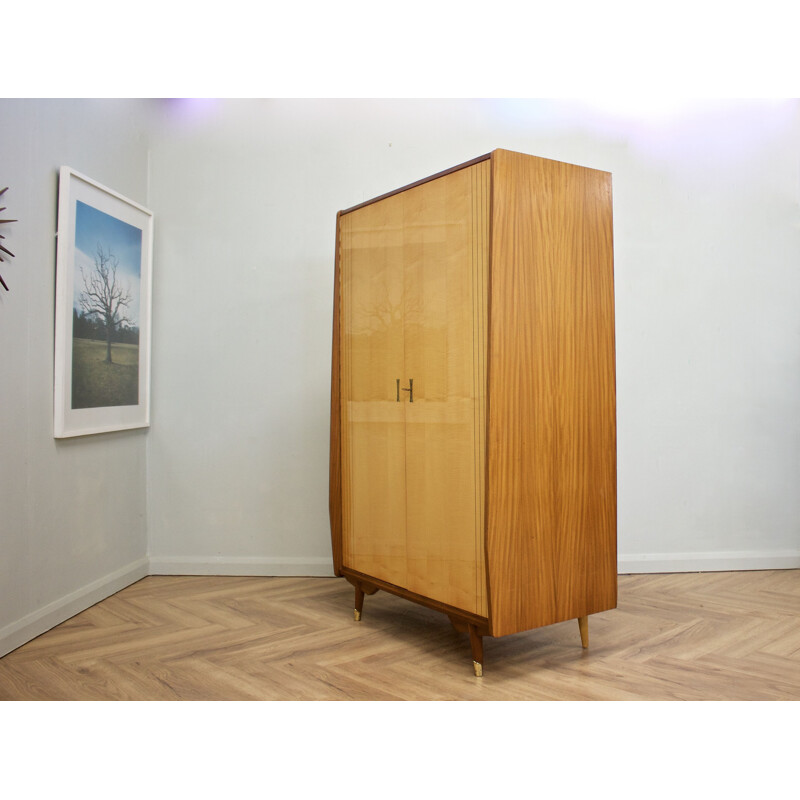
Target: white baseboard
{"x": 34, "y": 624}
{"x": 627, "y": 564}
{"x": 708, "y": 562}
{"x": 263, "y": 567}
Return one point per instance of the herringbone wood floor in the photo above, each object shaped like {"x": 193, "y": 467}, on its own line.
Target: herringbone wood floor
{"x": 707, "y": 636}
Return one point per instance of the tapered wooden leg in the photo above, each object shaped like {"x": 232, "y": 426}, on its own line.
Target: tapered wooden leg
{"x": 583, "y": 625}
{"x": 359, "y": 604}
{"x": 361, "y": 588}
{"x": 476, "y": 642}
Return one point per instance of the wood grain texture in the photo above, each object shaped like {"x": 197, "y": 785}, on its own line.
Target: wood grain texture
{"x": 373, "y": 307}
{"x": 412, "y": 472}
{"x": 444, "y": 458}
{"x": 551, "y": 505}
{"x": 695, "y": 636}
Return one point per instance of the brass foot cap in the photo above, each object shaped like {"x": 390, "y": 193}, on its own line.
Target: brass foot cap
{"x": 478, "y": 669}
{"x": 356, "y": 615}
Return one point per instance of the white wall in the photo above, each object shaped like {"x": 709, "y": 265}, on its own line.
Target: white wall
{"x": 72, "y": 512}
{"x": 707, "y": 237}
{"x": 708, "y": 291}
{"x": 232, "y": 475}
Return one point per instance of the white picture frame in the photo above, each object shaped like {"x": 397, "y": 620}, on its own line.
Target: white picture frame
{"x": 104, "y": 264}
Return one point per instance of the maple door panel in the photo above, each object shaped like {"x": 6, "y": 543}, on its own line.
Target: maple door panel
{"x": 443, "y": 482}
{"x": 443, "y": 540}
{"x": 412, "y": 472}
{"x": 373, "y": 425}
{"x": 376, "y": 520}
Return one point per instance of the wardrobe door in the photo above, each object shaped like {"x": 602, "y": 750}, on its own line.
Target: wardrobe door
{"x": 372, "y": 309}
{"x": 445, "y": 236}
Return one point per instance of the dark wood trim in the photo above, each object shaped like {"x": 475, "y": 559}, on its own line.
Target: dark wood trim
{"x": 481, "y": 624}
{"x": 418, "y": 183}
{"x": 335, "y": 474}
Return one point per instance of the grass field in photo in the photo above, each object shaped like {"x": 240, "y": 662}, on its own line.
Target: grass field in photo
{"x": 96, "y": 383}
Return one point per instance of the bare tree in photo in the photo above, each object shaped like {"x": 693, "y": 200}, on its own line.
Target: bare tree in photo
{"x": 103, "y": 297}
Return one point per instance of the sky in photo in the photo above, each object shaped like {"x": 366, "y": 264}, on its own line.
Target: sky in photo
{"x": 93, "y": 227}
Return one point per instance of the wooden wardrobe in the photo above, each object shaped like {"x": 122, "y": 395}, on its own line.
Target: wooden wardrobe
{"x": 473, "y": 422}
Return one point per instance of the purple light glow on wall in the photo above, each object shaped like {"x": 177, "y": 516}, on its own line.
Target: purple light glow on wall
{"x": 192, "y": 108}
{"x": 709, "y": 132}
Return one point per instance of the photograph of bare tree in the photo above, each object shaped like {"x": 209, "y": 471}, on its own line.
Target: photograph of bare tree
{"x": 104, "y": 266}
{"x": 105, "y": 325}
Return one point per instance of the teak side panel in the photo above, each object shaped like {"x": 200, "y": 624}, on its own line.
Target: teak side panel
{"x": 551, "y": 452}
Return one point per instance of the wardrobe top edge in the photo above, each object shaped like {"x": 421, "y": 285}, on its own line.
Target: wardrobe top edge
{"x": 464, "y": 165}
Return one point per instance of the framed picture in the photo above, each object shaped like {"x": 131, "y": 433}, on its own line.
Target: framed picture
{"x": 104, "y": 260}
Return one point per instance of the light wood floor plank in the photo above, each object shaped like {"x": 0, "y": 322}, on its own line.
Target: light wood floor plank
{"x": 699, "y": 636}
